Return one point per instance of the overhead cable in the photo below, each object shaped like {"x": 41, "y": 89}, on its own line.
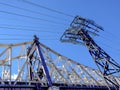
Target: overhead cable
{"x": 27, "y": 29}
{"x": 53, "y": 10}
{"x": 23, "y": 39}
{"x": 21, "y": 35}
{"x": 36, "y": 18}
{"x": 28, "y": 26}
{"x": 32, "y": 11}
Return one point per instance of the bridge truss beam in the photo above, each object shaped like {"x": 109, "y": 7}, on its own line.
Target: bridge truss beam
{"x": 17, "y": 69}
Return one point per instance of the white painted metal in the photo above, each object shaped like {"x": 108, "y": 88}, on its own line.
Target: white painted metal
{"x": 14, "y": 66}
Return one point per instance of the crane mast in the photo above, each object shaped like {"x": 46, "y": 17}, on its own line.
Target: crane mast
{"x": 81, "y": 31}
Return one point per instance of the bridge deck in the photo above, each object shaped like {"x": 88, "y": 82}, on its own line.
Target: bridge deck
{"x": 33, "y": 86}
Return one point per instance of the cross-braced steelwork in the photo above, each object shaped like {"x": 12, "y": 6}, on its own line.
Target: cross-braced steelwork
{"x": 36, "y": 65}
{"x": 79, "y": 32}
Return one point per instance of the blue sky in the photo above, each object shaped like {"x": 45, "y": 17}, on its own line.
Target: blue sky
{"x": 18, "y": 25}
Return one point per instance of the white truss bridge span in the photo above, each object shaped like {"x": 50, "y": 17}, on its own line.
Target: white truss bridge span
{"x": 15, "y": 68}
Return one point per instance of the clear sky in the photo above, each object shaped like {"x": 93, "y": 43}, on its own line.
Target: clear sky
{"x": 20, "y": 20}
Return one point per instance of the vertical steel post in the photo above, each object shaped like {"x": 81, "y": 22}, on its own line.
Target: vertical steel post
{"x": 10, "y": 64}
{"x": 43, "y": 62}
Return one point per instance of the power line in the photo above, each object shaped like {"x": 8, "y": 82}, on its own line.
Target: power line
{"x": 36, "y": 18}
{"x": 111, "y": 39}
{"x": 15, "y": 35}
{"x": 26, "y": 29}
{"x": 112, "y": 35}
{"x": 21, "y": 35}
{"x": 108, "y": 46}
{"x": 30, "y": 22}
{"x": 24, "y": 39}
{"x": 13, "y": 39}
{"x": 27, "y": 26}
{"x": 115, "y": 42}
{"x": 24, "y": 9}
{"x": 53, "y": 10}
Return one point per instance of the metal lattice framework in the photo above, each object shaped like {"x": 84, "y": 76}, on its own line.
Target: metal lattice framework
{"x": 81, "y": 31}
{"x": 17, "y": 62}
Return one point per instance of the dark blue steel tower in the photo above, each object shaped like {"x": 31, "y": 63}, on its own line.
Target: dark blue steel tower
{"x": 79, "y": 32}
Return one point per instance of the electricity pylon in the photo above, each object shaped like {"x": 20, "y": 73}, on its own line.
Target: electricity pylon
{"x": 80, "y": 31}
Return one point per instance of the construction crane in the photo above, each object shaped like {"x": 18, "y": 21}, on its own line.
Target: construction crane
{"x": 81, "y": 31}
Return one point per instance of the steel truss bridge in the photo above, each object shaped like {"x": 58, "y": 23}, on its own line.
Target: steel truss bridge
{"x": 35, "y": 66}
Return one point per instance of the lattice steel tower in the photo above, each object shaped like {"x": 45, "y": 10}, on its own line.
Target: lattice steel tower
{"x": 80, "y": 31}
